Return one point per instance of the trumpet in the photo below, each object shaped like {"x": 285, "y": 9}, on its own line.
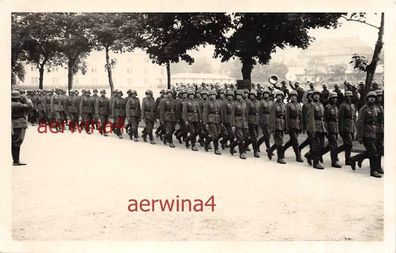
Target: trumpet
{"x": 274, "y": 79}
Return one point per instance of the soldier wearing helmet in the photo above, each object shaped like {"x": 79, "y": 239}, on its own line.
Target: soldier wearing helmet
{"x": 192, "y": 115}
{"x": 239, "y": 123}
{"x": 277, "y": 125}
{"x": 305, "y": 107}
{"x": 203, "y": 133}
{"x": 228, "y": 134}
{"x": 347, "y": 125}
{"x": 211, "y": 120}
{"x": 160, "y": 130}
{"x": 148, "y": 116}
{"x": 266, "y": 104}
{"x": 167, "y": 108}
{"x": 253, "y": 111}
{"x": 367, "y": 133}
{"x": 102, "y": 111}
{"x": 72, "y": 110}
{"x": 119, "y": 113}
{"x": 59, "y": 109}
{"x": 293, "y": 124}
{"x": 316, "y": 129}
{"x": 86, "y": 110}
{"x": 133, "y": 114}
{"x": 181, "y": 132}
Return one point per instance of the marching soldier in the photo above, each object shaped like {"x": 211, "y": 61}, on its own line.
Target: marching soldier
{"x": 347, "y": 125}
{"x": 293, "y": 124}
{"x": 149, "y": 116}
{"x": 182, "y": 131}
{"x": 367, "y": 133}
{"x": 36, "y": 101}
{"x": 72, "y": 104}
{"x": 203, "y": 133}
{"x": 86, "y": 111}
{"x": 211, "y": 120}
{"x": 20, "y": 105}
{"x": 58, "y": 108}
{"x": 305, "y": 107}
{"x": 253, "y": 112}
{"x": 102, "y": 111}
{"x": 160, "y": 130}
{"x": 94, "y": 97}
{"x": 168, "y": 117}
{"x": 266, "y": 105}
{"x": 119, "y": 113}
{"x": 192, "y": 117}
{"x": 41, "y": 106}
{"x": 49, "y": 115}
{"x": 226, "y": 119}
{"x": 239, "y": 123}
{"x": 277, "y": 126}
{"x": 331, "y": 121}
{"x": 316, "y": 130}
{"x": 133, "y": 114}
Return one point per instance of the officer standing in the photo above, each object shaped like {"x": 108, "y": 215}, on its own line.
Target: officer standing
{"x": 20, "y": 105}
{"x": 102, "y": 111}
{"x": 331, "y": 121}
{"x": 347, "y": 125}
{"x": 211, "y": 120}
{"x": 133, "y": 113}
{"x": 293, "y": 124}
{"x": 168, "y": 116}
{"x": 148, "y": 116}
{"x": 367, "y": 133}
{"x": 239, "y": 123}
{"x": 277, "y": 126}
{"x": 253, "y": 112}
{"x": 192, "y": 117}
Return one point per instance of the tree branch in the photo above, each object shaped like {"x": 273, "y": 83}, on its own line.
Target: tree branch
{"x": 359, "y": 21}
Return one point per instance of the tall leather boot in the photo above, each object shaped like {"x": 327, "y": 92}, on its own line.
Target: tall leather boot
{"x": 255, "y": 149}
{"x": 241, "y": 147}
{"x": 207, "y": 143}
{"x": 380, "y": 170}
{"x": 216, "y": 146}
{"x": 373, "y": 167}
{"x": 281, "y": 157}
{"x": 298, "y": 154}
{"x": 270, "y": 151}
{"x": 347, "y": 156}
{"x": 316, "y": 163}
{"x": 232, "y": 147}
{"x": 334, "y": 160}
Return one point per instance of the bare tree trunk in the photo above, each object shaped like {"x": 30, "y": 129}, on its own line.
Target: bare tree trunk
{"x": 377, "y": 50}
{"x": 41, "y": 76}
{"x": 247, "y": 67}
{"x": 168, "y": 73}
{"x": 109, "y": 72}
{"x": 70, "y": 75}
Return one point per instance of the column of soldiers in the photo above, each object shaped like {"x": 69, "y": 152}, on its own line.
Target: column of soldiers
{"x": 221, "y": 119}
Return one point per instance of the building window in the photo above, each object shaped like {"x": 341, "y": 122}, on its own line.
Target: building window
{"x": 93, "y": 70}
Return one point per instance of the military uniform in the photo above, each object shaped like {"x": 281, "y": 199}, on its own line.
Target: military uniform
{"x": 305, "y": 108}
{"x": 86, "y": 111}
{"x": 72, "y": 104}
{"x": 94, "y": 97}
{"x": 253, "y": 112}
{"x": 41, "y": 107}
{"x": 192, "y": 115}
{"x": 266, "y": 105}
{"x": 48, "y": 112}
{"x": 347, "y": 126}
{"x": 133, "y": 113}
{"x": 278, "y": 127}
{"x": 167, "y": 108}
{"x": 239, "y": 121}
{"x": 19, "y": 109}
{"x": 149, "y": 116}
{"x": 181, "y": 132}
{"x": 59, "y": 109}
{"x": 367, "y": 132}
{"x": 228, "y": 134}
{"x": 160, "y": 130}
{"x": 294, "y": 125}
{"x": 102, "y": 111}
{"x": 211, "y": 119}
{"x": 119, "y": 114}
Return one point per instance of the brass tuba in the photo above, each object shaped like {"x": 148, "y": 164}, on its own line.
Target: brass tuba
{"x": 274, "y": 79}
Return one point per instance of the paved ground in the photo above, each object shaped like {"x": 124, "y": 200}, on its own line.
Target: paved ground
{"x": 77, "y": 187}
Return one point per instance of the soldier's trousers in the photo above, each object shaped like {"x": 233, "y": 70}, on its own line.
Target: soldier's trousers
{"x": 42, "y": 117}
{"x": 32, "y": 116}
{"x": 266, "y": 136}
{"x": 182, "y": 130}
{"x": 73, "y": 120}
{"x": 86, "y": 121}
{"x": 241, "y": 135}
{"x": 17, "y": 137}
{"x": 332, "y": 146}
{"x": 104, "y": 121}
{"x": 371, "y": 152}
{"x": 316, "y": 145}
{"x": 193, "y": 132}
{"x": 304, "y": 143}
{"x": 169, "y": 130}
{"x": 379, "y": 143}
{"x": 148, "y": 129}
{"x": 60, "y": 117}
{"x": 134, "y": 123}
{"x": 346, "y": 146}
{"x": 278, "y": 144}
{"x": 118, "y": 124}
{"x": 214, "y": 131}
{"x": 293, "y": 141}
{"x": 253, "y": 137}
{"x": 228, "y": 135}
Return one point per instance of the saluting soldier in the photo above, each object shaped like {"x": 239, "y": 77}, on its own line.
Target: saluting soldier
{"x": 316, "y": 130}
{"x": 86, "y": 111}
{"x": 160, "y": 130}
{"x": 293, "y": 124}
{"x": 331, "y": 121}
{"x": 367, "y": 133}
{"x": 347, "y": 125}
{"x": 133, "y": 113}
{"x": 192, "y": 117}
{"x": 239, "y": 123}
{"x": 211, "y": 120}
{"x": 119, "y": 113}
{"x": 226, "y": 119}
{"x": 266, "y": 105}
{"x": 305, "y": 108}
{"x": 277, "y": 124}
{"x": 148, "y": 116}
{"x": 168, "y": 116}
{"x": 102, "y": 111}
{"x": 253, "y": 112}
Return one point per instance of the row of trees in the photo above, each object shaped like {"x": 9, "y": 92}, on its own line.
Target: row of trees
{"x": 66, "y": 39}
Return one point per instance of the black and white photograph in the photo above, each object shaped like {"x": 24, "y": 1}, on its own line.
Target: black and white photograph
{"x": 198, "y": 126}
